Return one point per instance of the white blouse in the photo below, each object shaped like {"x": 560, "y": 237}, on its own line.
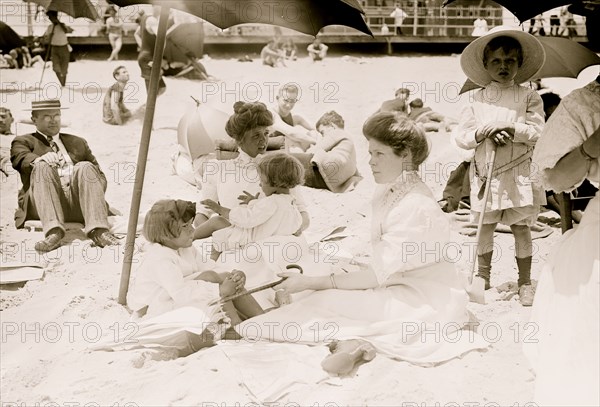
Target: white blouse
{"x": 410, "y": 231}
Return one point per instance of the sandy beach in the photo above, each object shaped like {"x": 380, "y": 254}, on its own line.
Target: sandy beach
{"x": 49, "y": 325}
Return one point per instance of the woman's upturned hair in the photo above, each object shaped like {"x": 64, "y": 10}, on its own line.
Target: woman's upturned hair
{"x": 247, "y": 116}
{"x": 163, "y": 221}
{"x": 399, "y": 133}
{"x": 281, "y": 170}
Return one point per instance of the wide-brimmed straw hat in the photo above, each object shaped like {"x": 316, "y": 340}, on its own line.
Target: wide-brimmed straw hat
{"x": 534, "y": 56}
{"x": 49, "y": 104}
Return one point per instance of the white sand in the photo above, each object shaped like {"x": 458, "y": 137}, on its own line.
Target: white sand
{"x": 47, "y": 325}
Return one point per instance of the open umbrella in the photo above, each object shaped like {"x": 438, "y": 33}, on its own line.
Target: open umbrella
{"x": 185, "y": 41}
{"x": 9, "y": 39}
{"x": 526, "y": 9}
{"x": 564, "y": 59}
{"x": 74, "y": 8}
{"x": 306, "y": 16}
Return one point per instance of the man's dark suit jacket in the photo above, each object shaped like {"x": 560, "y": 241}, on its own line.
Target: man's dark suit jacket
{"x": 24, "y": 149}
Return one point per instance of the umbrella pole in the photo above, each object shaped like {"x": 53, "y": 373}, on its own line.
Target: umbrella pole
{"x": 143, "y": 153}
{"x": 47, "y": 55}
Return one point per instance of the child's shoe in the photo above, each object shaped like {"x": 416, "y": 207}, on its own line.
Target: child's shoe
{"x": 526, "y": 295}
{"x": 346, "y": 354}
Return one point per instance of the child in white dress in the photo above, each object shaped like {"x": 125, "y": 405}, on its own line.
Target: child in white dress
{"x": 173, "y": 274}
{"x": 509, "y": 118}
{"x": 274, "y": 214}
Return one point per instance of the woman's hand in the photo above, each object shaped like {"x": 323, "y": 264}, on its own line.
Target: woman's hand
{"x": 293, "y": 283}
{"x": 247, "y": 197}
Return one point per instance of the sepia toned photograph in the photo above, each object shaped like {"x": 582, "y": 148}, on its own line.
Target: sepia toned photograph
{"x": 289, "y": 203}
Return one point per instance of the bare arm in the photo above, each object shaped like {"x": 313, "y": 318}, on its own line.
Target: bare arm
{"x": 360, "y": 280}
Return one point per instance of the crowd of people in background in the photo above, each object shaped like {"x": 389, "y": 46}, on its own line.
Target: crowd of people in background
{"x": 558, "y": 25}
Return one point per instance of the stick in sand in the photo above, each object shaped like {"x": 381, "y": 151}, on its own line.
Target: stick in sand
{"x": 476, "y": 288}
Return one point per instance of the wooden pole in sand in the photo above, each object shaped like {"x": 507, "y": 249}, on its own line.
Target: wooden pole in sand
{"x": 159, "y": 47}
{"x": 29, "y": 20}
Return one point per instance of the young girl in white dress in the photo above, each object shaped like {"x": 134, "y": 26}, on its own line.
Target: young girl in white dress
{"x": 173, "y": 274}
{"x": 273, "y": 214}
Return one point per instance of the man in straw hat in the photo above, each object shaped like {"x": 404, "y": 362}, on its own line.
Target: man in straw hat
{"x": 503, "y": 121}
{"x": 61, "y": 179}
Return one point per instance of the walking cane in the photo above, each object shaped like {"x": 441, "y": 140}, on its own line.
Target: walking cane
{"x": 476, "y": 287}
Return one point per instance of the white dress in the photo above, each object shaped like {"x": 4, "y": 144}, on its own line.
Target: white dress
{"x": 178, "y": 305}
{"x": 565, "y": 352}
{"x": 409, "y": 230}
{"x": 274, "y": 215}
{"x": 165, "y": 281}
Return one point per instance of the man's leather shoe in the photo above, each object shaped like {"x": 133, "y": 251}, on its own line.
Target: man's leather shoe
{"x": 102, "y": 237}
{"x": 50, "y": 242}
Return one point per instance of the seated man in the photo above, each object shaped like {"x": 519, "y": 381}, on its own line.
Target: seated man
{"x": 317, "y": 51}
{"x": 113, "y": 108}
{"x": 331, "y": 162}
{"x": 272, "y": 55}
{"x": 298, "y": 132}
{"x": 398, "y": 104}
{"x": 62, "y": 181}
{"x": 431, "y": 121}
{"x": 290, "y": 49}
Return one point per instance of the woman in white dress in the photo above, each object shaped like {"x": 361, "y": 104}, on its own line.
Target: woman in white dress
{"x": 410, "y": 303}
{"x": 565, "y": 352}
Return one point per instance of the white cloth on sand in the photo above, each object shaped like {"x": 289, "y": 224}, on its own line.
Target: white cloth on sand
{"x": 168, "y": 331}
